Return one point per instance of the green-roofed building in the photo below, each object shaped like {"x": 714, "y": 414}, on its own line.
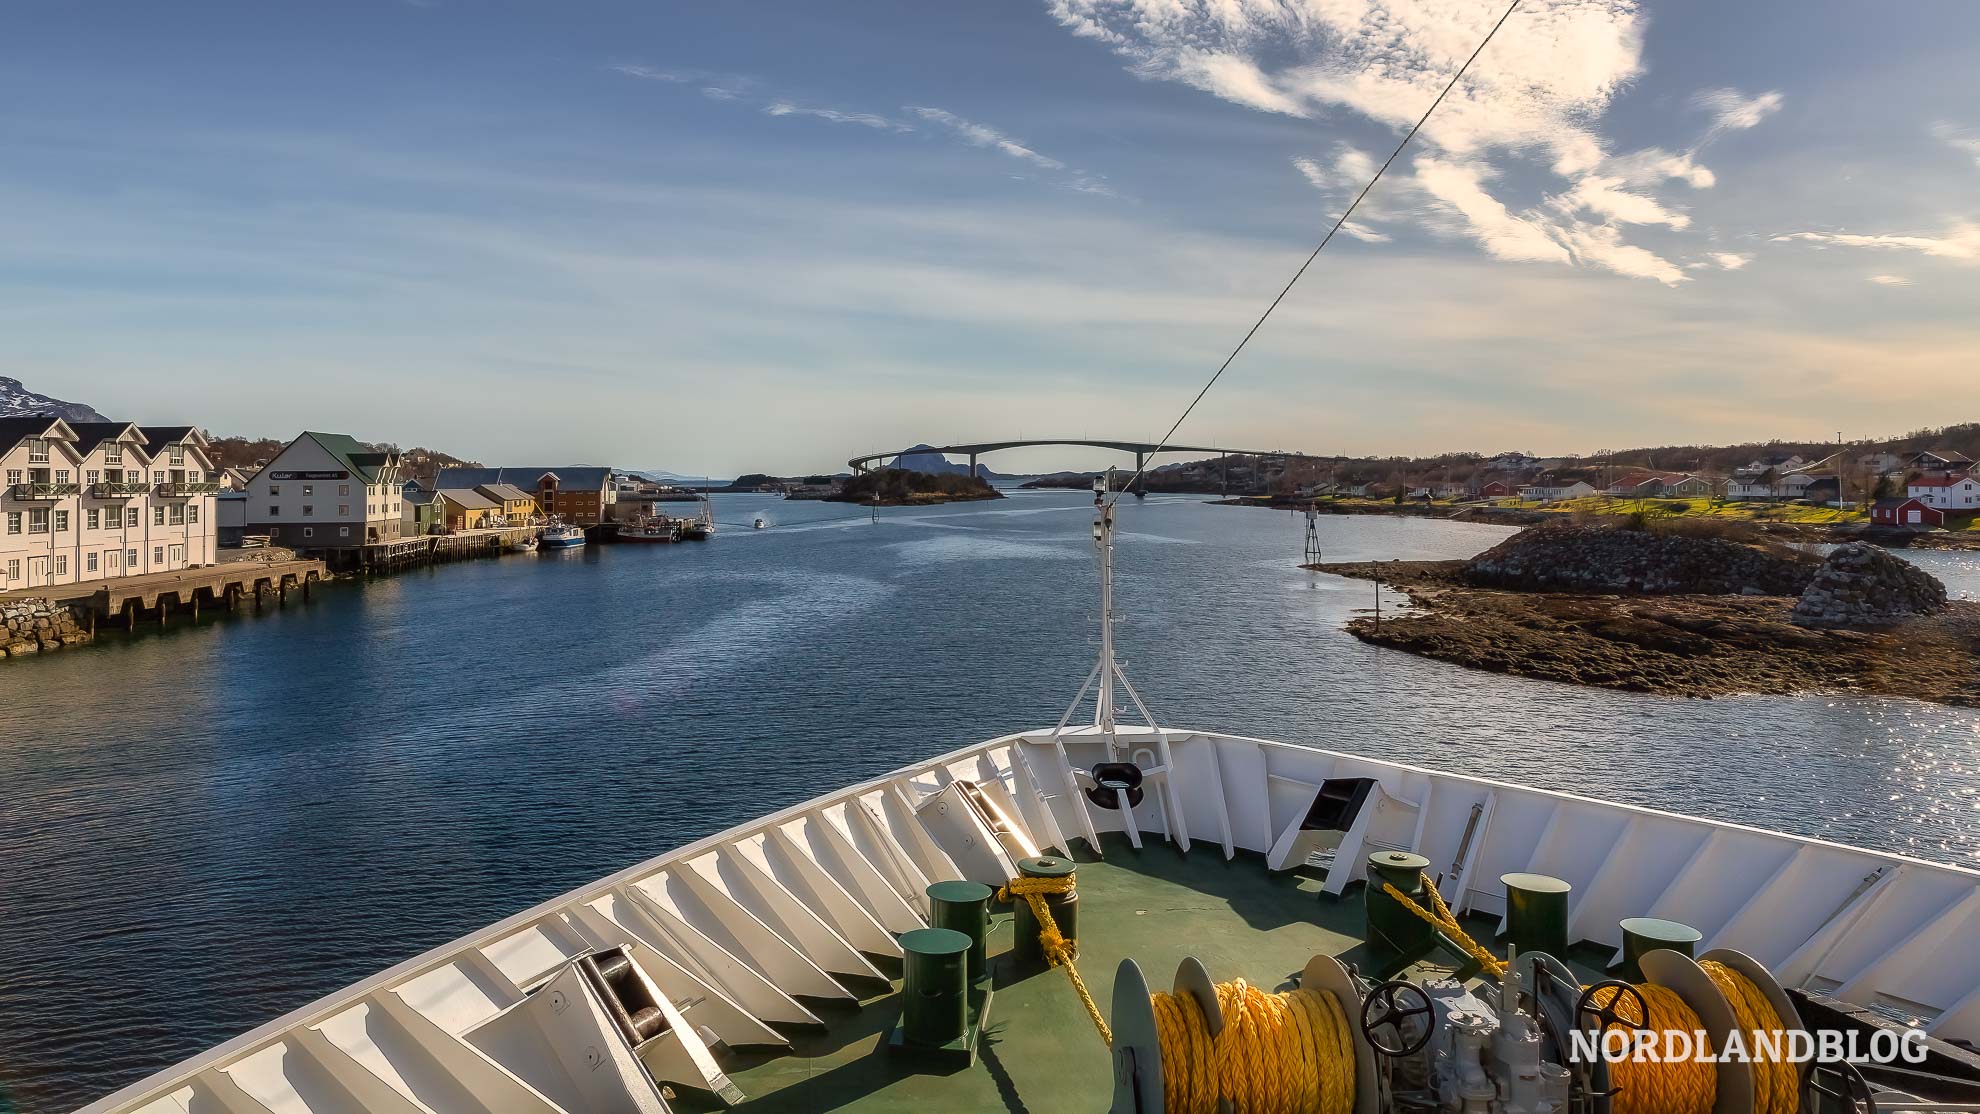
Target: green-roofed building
{"x": 327, "y": 491}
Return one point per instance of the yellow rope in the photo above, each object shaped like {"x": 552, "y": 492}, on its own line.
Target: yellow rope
{"x": 1444, "y": 920}
{"x": 1776, "y": 1082}
{"x": 1059, "y": 952}
{"x": 1287, "y": 1053}
{"x": 1659, "y": 1086}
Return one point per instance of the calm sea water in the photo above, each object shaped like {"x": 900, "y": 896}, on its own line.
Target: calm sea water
{"x": 205, "y": 828}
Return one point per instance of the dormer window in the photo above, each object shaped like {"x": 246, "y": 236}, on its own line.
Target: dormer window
{"x": 176, "y": 454}
{"x": 37, "y": 450}
{"x": 113, "y": 452}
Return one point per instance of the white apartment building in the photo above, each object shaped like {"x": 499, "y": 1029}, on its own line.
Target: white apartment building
{"x": 1948, "y": 491}
{"x": 97, "y": 500}
{"x": 327, "y": 491}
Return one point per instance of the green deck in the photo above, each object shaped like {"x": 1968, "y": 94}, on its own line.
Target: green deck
{"x": 1039, "y": 1052}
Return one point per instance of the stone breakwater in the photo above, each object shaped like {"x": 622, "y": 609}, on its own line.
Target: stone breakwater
{"x": 37, "y": 624}
{"x": 1607, "y": 559}
{"x": 1860, "y": 586}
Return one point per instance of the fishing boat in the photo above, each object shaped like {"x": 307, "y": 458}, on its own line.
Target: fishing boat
{"x": 655, "y": 529}
{"x": 1093, "y": 916}
{"x": 702, "y": 526}
{"x": 560, "y": 535}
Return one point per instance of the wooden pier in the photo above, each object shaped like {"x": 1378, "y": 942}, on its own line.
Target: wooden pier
{"x": 223, "y": 586}
{"x": 431, "y": 549}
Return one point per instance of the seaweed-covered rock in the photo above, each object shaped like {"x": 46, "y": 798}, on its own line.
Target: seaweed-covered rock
{"x": 1611, "y": 560}
{"x": 1861, "y": 585}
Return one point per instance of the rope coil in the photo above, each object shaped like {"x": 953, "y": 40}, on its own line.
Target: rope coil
{"x": 1285, "y": 1053}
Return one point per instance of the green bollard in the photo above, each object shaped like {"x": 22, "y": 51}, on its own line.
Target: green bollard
{"x": 935, "y": 1001}
{"x": 1395, "y": 934}
{"x": 1063, "y": 907}
{"x": 1537, "y": 913}
{"x": 1647, "y": 934}
{"x": 964, "y": 907}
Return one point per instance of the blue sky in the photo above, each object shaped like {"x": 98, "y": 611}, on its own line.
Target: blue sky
{"x": 768, "y": 236}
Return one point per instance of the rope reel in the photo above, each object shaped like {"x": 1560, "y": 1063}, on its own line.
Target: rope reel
{"x": 1232, "y": 1047}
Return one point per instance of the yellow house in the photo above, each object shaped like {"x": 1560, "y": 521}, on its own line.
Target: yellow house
{"x": 513, "y": 505}
{"x": 460, "y": 508}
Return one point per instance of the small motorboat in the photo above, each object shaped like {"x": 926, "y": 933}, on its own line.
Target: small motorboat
{"x": 561, "y": 536}
{"x": 523, "y": 545}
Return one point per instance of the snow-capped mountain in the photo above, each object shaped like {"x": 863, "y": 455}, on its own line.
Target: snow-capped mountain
{"x": 16, "y": 400}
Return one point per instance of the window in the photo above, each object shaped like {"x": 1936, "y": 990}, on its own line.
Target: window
{"x": 89, "y": 562}
{"x": 274, "y": 489}
{"x": 309, "y": 510}
{"x": 192, "y": 513}
{"x": 195, "y": 476}
{"x": 178, "y": 514}
{"x": 37, "y": 451}
{"x": 157, "y": 554}
{"x": 92, "y": 518}
{"x": 176, "y": 454}
{"x": 131, "y": 475}
{"x": 158, "y": 516}
{"x": 343, "y": 510}
{"x": 13, "y": 476}
{"x": 274, "y": 511}
{"x": 61, "y": 522}
{"x": 91, "y": 477}
{"x": 130, "y": 559}
{"x": 131, "y": 517}
{"x": 13, "y": 522}
{"x": 113, "y": 453}
{"x": 309, "y": 489}
{"x": 158, "y": 475}
{"x": 343, "y": 531}
{"x": 14, "y": 569}
{"x": 309, "y": 531}
{"x": 343, "y": 489}
{"x": 38, "y": 521}
{"x": 61, "y": 475}
{"x": 61, "y": 564}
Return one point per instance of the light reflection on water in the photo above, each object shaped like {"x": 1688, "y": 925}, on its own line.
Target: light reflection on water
{"x": 205, "y": 828}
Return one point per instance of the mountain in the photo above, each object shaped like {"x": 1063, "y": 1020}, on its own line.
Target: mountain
{"x": 923, "y": 458}
{"x": 675, "y": 479}
{"x": 17, "y": 401}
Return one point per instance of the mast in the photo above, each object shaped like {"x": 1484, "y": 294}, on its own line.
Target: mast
{"x": 1103, "y": 541}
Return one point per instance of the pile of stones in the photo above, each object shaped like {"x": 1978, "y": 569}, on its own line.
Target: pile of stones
{"x": 36, "y": 624}
{"x": 1862, "y": 585}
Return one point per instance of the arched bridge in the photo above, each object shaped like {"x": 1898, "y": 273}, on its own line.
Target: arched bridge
{"x": 1142, "y": 450}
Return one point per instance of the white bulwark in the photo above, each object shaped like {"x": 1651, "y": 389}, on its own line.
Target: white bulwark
{"x": 327, "y": 491}
{"x": 88, "y": 501}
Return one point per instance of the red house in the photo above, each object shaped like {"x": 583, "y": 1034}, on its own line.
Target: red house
{"x": 1497, "y": 489}
{"x": 1906, "y": 512}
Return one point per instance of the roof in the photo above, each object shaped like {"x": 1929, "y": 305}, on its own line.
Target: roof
{"x": 504, "y": 492}
{"x": 15, "y": 430}
{"x": 158, "y": 436}
{"x": 525, "y": 478}
{"x": 1944, "y": 479}
{"x": 350, "y": 453}
{"x": 91, "y": 434}
{"x": 1893, "y": 504}
{"x": 468, "y": 498}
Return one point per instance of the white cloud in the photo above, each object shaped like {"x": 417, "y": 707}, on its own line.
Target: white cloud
{"x": 1735, "y": 111}
{"x": 863, "y": 119}
{"x": 982, "y": 135}
{"x": 1537, "y": 93}
{"x": 1957, "y": 139}
{"x": 1891, "y": 280}
{"x": 1960, "y": 243}
{"x": 1730, "y": 261}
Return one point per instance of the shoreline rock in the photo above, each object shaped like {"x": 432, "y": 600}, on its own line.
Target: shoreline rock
{"x": 36, "y": 624}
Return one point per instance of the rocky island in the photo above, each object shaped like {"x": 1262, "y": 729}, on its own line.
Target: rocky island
{"x": 1676, "y": 613}
{"x": 900, "y": 487}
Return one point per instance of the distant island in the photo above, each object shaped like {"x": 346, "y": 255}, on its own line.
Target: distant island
{"x": 898, "y": 487}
